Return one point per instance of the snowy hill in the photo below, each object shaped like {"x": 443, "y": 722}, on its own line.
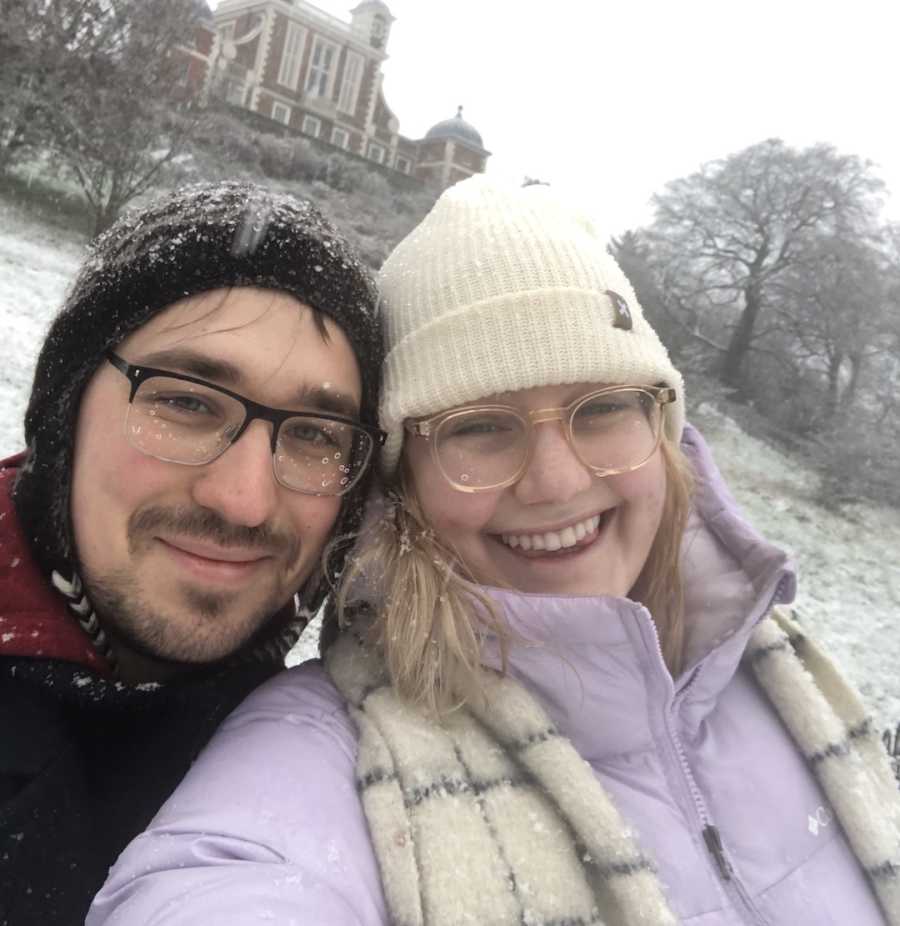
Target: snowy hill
{"x": 849, "y": 564}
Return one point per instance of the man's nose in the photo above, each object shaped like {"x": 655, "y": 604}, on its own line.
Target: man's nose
{"x": 554, "y": 473}
{"x": 240, "y": 485}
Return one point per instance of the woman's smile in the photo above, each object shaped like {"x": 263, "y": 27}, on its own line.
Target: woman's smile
{"x": 578, "y": 535}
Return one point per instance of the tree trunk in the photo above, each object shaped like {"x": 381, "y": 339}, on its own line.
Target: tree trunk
{"x": 732, "y": 369}
{"x": 856, "y": 367}
{"x": 832, "y": 402}
{"x": 105, "y": 214}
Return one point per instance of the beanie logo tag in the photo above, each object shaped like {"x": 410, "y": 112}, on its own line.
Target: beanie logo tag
{"x": 621, "y": 311}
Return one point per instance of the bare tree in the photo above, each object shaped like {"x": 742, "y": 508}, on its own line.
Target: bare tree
{"x": 21, "y": 75}
{"x": 726, "y": 236}
{"x": 836, "y": 306}
{"x": 105, "y": 78}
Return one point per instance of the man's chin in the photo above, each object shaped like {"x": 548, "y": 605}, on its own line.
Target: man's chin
{"x": 168, "y": 627}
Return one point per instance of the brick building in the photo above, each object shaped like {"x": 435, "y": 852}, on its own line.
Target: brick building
{"x": 320, "y": 76}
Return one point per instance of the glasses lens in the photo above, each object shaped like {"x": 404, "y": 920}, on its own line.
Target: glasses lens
{"x": 616, "y": 430}
{"x": 181, "y": 422}
{"x": 481, "y": 447}
{"x": 321, "y": 457}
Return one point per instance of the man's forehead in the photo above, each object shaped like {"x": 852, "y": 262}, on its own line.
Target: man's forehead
{"x": 249, "y": 340}
{"x": 223, "y": 309}
{"x": 323, "y": 394}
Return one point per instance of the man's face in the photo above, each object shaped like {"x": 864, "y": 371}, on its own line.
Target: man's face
{"x": 184, "y": 563}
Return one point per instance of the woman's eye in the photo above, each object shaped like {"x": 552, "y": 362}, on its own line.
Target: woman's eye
{"x": 599, "y": 409}
{"x": 478, "y": 427}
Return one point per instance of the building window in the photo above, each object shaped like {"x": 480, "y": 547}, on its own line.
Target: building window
{"x": 379, "y": 30}
{"x": 353, "y": 70}
{"x": 340, "y": 138}
{"x": 311, "y": 126}
{"x": 226, "y": 32}
{"x": 184, "y": 78}
{"x": 403, "y": 164}
{"x": 235, "y": 91}
{"x": 376, "y": 153}
{"x": 281, "y": 113}
{"x": 291, "y": 56}
{"x": 320, "y": 79}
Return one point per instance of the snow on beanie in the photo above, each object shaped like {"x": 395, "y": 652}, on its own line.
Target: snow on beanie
{"x": 196, "y": 239}
{"x": 500, "y": 289}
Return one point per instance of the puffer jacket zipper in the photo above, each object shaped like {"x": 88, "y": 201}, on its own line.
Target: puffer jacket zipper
{"x": 712, "y": 839}
{"x": 740, "y": 898}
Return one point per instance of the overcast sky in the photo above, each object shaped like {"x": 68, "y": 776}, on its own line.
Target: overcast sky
{"x": 609, "y": 99}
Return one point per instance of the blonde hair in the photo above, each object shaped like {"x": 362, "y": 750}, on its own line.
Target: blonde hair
{"x": 431, "y": 620}
{"x": 660, "y": 586}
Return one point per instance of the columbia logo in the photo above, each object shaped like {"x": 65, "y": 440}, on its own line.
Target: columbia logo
{"x": 818, "y": 820}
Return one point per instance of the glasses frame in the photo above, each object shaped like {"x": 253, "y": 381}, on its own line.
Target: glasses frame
{"x": 428, "y": 427}
{"x": 137, "y": 373}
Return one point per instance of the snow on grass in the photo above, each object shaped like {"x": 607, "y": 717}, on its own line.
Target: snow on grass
{"x": 37, "y": 263}
{"x": 849, "y": 564}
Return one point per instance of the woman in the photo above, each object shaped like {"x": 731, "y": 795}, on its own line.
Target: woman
{"x": 561, "y": 693}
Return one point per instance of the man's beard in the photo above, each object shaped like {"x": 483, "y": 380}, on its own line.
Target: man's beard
{"x": 200, "y": 625}
{"x": 196, "y": 630}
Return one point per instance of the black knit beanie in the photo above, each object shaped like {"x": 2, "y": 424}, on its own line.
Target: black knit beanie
{"x": 196, "y": 239}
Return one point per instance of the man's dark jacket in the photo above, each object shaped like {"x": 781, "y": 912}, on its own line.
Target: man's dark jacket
{"x": 85, "y": 761}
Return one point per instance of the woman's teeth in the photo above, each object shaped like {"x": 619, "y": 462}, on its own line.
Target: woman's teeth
{"x": 553, "y": 540}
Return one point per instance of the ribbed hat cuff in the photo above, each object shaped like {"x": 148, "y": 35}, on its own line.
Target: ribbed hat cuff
{"x": 514, "y": 342}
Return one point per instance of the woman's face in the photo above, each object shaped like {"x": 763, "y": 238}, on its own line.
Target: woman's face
{"x": 519, "y": 536}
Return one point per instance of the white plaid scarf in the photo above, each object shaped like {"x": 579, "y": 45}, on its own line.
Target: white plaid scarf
{"x": 493, "y": 817}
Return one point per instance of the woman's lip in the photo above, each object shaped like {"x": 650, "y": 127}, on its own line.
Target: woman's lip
{"x": 553, "y": 555}
{"x": 559, "y": 526}
{"x": 563, "y": 553}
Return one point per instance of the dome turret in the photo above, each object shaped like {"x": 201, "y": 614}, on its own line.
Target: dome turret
{"x": 458, "y": 129}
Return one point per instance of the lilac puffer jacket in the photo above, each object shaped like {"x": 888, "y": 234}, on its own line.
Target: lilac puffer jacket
{"x": 268, "y": 827}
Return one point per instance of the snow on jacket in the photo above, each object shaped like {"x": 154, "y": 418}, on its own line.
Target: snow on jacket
{"x": 268, "y": 825}
{"x": 85, "y": 762}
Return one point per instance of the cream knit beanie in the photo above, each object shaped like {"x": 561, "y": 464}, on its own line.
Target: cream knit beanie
{"x": 502, "y": 288}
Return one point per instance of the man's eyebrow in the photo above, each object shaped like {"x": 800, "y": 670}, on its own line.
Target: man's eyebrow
{"x": 224, "y": 373}
{"x": 181, "y": 360}
{"x": 327, "y": 400}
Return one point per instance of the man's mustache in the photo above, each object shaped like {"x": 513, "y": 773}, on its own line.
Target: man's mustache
{"x": 206, "y": 524}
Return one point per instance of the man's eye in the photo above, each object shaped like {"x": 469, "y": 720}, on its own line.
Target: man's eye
{"x": 188, "y": 404}
{"x": 310, "y": 434}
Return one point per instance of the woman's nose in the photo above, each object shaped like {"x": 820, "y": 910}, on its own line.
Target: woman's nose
{"x": 554, "y": 472}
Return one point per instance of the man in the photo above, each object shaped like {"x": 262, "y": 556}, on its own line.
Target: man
{"x": 198, "y": 429}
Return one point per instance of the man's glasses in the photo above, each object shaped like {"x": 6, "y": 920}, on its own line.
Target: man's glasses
{"x": 182, "y": 419}
{"x": 482, "y": 447}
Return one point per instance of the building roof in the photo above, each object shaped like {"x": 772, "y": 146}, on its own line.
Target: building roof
{"x": 456, "y": 128}
{"x": 379, "y": 4}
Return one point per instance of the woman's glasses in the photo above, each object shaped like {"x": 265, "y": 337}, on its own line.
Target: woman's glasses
{"x": 482, "y": 447}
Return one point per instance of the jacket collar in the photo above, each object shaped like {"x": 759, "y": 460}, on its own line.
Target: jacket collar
{"x": 593, "y": 660}
{"x": 34, "y": 621}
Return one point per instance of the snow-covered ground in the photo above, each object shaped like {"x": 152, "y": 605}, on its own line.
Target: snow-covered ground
{"x": 37, "y": 263}
{"x": 849, "y": 564}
